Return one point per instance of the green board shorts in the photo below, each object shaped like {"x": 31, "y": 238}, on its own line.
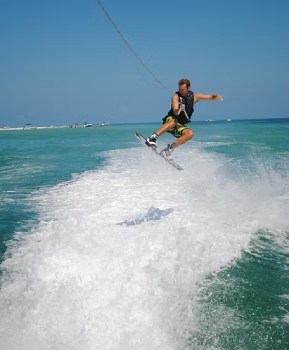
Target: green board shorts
{"x": 178, "y": 129}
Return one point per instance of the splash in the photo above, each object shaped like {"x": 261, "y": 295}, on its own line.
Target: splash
{"x": 152, "y": 214}
{"x": 80, "y": 280}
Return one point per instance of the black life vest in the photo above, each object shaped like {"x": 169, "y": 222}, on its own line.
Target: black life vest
{"x": 188, "y": 101}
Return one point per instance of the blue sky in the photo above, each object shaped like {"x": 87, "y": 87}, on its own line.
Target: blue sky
{"x": 62, "y": 61}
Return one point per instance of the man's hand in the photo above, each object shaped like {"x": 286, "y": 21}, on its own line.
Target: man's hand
{"x": 182, "y": 108}
{"x": 217, "y": 97}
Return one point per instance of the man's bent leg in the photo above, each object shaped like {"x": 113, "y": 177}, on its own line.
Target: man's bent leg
{"x": 152, "y": 140}
{"x": 166, "y": 127}
{"x": 187, "y": 135}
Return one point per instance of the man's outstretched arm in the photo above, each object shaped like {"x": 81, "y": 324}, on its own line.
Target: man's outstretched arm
{"x": 199, "y": 97}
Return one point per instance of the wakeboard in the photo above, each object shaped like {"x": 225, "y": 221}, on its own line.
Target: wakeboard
{"x": 143, "y": 140}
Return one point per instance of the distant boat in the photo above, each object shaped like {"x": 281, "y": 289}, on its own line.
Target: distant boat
{"x": 228, "y": 120}
{"x": 87, "y": 125}
{"x": 29, "y": 126}
{"x": 103, "y": 124}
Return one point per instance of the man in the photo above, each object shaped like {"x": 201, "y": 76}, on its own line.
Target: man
{"x": 182, "y": 108}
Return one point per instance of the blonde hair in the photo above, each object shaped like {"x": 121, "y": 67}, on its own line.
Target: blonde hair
{"x": 185, "y": 81}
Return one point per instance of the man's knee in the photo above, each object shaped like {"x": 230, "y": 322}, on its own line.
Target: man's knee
{"x": 188, "y": 133}
{"x": 172, "y": 122}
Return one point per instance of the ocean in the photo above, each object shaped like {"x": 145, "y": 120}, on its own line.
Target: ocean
{"x": 105, "y": 246}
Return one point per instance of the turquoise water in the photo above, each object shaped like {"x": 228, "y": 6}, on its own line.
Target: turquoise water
{"x": 212, "y": 274}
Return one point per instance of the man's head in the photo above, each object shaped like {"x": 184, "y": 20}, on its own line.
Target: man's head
{"x": 184, "y": 86}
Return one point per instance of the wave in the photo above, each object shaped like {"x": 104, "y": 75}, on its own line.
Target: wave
{"x": 79, "y": 279}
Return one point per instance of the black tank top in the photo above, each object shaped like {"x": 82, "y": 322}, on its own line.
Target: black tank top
{"x": 188, "y": 101}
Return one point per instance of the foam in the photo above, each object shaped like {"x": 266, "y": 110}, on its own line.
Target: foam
{"x": 79, "y": 280}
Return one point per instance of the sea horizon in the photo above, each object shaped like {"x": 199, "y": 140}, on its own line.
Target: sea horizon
{"x": 67, "y": 125}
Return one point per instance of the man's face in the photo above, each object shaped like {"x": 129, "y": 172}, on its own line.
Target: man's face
{"x": 184, "y": 89}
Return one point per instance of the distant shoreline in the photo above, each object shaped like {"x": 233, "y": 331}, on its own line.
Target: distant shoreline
{"x": 196, "y": 121}
{"x": 32, "y": 127}
{"x": 8, "y": 128}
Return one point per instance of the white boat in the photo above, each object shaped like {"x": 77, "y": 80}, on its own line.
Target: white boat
{"x": 103, "y": 124}
{"x": 87, "y": 125}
